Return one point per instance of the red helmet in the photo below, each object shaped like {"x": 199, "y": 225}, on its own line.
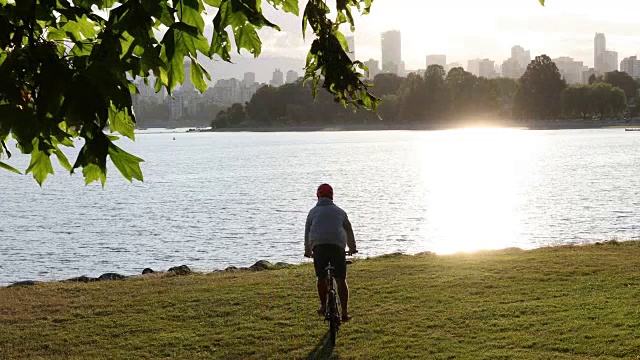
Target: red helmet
{"x": 325, "y": 190}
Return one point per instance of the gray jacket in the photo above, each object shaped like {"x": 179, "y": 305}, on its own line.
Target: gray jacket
{"x": 328, "y": 224}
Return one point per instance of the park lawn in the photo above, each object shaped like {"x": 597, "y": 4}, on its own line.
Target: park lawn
{"x": 569, "y": 302}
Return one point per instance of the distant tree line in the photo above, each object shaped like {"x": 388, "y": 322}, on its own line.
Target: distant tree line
{"x": 438, "y": 98}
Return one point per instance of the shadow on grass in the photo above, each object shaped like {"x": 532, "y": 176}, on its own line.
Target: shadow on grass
{"x": 324, "y": 350}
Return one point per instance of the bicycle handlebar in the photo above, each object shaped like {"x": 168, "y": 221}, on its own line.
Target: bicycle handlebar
{"x": 347, "y": 253}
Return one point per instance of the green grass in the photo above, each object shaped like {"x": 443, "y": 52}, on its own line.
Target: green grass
{"x": 574, "y": 302}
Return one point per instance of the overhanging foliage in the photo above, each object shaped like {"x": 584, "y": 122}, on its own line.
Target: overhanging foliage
{"x": 67, "y": 68}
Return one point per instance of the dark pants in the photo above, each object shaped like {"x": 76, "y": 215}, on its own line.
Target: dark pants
{"x": 324, "y": 254}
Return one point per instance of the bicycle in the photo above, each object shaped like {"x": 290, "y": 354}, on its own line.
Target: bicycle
{"x": 332, "y": 308}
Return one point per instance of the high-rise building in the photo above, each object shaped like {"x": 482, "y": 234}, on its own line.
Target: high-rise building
{"x": 610, "y": 61}
{"x": 392, "y": 52}
{"x": 249, "y": 79}
{"x": 570, "y": 69}
{"x": 277, "y": 79}
{"x": 486, "y": 69}
{"x": 631, "y": 66}
{"x": 176, "y": 105}
{"x": 511, "y": 69}
{"x": 351, "y": 46}
{"x": 521, "y": 56}
{"x": 292, "y": 76}
{"x": 187, "y": 86}
{"x": 374, "y": 68}
{"x": 227, "y": 91}
{"x": 437, "y": 60}
{"x": 473, "y": 66}
{"x": 599, "y": 48}
{"x": 516, "y": 65}
{"x": 604, "y": 60}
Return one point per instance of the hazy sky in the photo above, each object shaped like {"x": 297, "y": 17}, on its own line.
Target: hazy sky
{"x": 467, "y": 29}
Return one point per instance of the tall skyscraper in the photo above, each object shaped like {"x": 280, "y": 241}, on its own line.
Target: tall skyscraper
{"x": 277, "y": 79}
{"x": 292, "y": 76}
{"x": 604, "y": 60}
{"x": 351, "y": 45}
{"x": 249, "y": 79}
{"x": 392, "y": 52}
{"x": 473, "y": 66}
{"x": 631, "y": 66}
{"x": 515, "y": 66}
{"x": 187, "y": 86}
{"x": 599, "y": 48}
{"x": 521, "y": 56}
{"x": 437, "y": 60}
{"x": 610, "y": 61}
{"x": 486, "y": 69}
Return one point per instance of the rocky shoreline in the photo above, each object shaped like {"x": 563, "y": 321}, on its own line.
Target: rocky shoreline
{"x": 181, "y": 270}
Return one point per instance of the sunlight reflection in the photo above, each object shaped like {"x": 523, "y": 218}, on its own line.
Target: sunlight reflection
{"x": 472, "y": 179}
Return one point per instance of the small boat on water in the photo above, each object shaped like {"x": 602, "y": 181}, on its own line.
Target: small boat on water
{"x": 632, "y": 129}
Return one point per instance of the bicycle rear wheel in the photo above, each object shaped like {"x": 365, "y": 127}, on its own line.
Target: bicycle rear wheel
{"x": 334, "y": 317}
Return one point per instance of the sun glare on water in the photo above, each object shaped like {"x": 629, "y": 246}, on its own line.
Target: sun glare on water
{"x": 472, "y": 178}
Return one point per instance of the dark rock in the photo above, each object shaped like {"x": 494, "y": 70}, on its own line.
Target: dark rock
{"x": 147, "y": 271}
{"x": 24, "y": 283}
{"x": 261, "y": 265}
{"x": 111, "y": 276}
{"x": 231, "y": 269}
{"x": 83, "y": 279}
{"x": 282, "y": 265}
{"x": 180, "y": 270}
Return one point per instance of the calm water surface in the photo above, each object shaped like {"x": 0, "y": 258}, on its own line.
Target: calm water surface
{"x": 211, "y": 200}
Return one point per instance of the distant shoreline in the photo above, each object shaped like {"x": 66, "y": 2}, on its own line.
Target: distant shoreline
{"x": 528, "y": 125}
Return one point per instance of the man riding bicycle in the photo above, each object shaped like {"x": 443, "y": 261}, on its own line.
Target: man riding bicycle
{"x": 327, "y": 233}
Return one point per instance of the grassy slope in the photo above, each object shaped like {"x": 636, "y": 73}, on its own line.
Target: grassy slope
{"x": 551, "y": 303}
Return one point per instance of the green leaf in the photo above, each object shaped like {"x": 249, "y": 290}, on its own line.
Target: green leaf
{"x": 290, "y": 6}
{"x": 128, "y": 164}
{"x": 120, "y": 121}
{"x": 86, "y": 27}
{"x": 92, "y": 172}
{"x": 189, "y": 39}
{"x": 126, "y": 40}
{"x": 542, "y": 2}
{"x": 197, "y": 76}
{"x": 40, "y": 166}
{"x": 4, "y": 148}
{"x": 62, "y": 159}
{"x": 190, "y": 13}
{"x": 169, "y": 44}
{"x": 247, "y": 38}
{"x": 9, "y": 167}
{"x": 214, "y": 3}
{"x": 220, "y": 44}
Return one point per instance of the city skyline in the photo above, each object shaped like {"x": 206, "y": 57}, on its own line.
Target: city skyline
{"x": 562, "y": 28}
{"x": 604, "y": 59}
{"x": 484, "y": 30}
